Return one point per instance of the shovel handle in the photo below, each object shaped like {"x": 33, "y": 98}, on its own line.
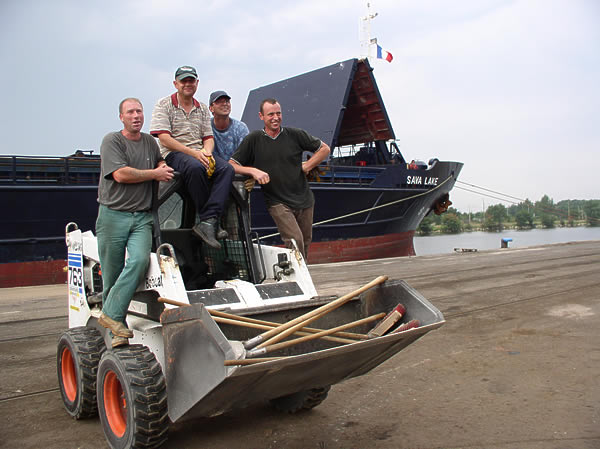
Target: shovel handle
{"x": 321, "y": 334}
{"x": 342, "y": 337}
{"x": 172, "y": 302}
{"x": 250, "y": 361}
{"x": 263, "y": 327}
{"x": 272, "y": 324}
{"x": 280, "y": 332}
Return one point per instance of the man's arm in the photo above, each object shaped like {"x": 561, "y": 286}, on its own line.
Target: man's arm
{"x": 130, "y": 175}
{"x": 173, "y": 145}
{"x": 319, "y": 156}
{"x": 258, "y": 175}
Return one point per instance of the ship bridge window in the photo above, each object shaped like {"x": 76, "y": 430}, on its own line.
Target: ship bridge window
{"x": 366, "y": 156}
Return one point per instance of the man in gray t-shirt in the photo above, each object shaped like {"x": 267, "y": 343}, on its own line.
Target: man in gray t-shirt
{"x": 227, "y": 131}
{"x": 129, "y": 161}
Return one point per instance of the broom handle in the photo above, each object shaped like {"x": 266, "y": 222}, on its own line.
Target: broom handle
{"x": 322, "y": 334}
{"x": 263, "y": 327}
{"x": 340, "y": 337}
{"x": 281, "y": 331}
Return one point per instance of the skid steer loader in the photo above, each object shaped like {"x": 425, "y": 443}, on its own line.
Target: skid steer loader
{"x": 197, "y": 320}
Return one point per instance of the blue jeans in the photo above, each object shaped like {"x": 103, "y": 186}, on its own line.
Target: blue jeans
{"x": 119, "y": 231}
{"x": 209, "y": 195}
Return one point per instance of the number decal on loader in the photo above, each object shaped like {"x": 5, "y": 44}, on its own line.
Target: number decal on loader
{"x": 75, "y": 277}
{"x": 75, "y": 274}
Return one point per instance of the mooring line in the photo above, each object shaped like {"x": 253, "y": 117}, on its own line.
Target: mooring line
{"x": 391, "y": 203}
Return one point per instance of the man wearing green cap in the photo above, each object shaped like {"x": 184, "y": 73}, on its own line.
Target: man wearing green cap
{"x": 182, "y": 125}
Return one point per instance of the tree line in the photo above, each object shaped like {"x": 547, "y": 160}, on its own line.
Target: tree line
{"x": 525, "y": 215}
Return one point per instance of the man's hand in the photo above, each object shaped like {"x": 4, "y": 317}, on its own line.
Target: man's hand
{"x": 260, "y": 176}
{"x": 254, "y": 173}
{"x": 163, "y": 173}
{"x": 203, "y": 157}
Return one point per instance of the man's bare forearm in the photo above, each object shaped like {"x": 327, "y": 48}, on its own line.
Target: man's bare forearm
{"x": 258, "y": 175}
{"x": 130, "y": 175}
{"x": 319, "y": 156}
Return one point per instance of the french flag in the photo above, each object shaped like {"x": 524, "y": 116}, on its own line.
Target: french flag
{"x": 382, "y": 54}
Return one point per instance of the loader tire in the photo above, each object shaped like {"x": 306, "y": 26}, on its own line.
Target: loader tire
{"x": 77, "y": 356}
{"x": 302, "y": 400}
{"x": 132, "y": 398}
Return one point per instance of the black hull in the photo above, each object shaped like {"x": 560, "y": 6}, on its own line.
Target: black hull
{"x": 33, "y": 228}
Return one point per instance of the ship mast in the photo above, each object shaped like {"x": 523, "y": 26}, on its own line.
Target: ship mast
{"x": 364, "y": 31}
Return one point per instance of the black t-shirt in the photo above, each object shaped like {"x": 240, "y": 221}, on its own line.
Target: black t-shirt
{"x": 281, "y": 158}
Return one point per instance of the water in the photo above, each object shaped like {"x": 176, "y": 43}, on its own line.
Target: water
{"x": 444, "y": 244}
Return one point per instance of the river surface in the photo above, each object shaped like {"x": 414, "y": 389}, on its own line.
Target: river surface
{"x": 443, "y": 244}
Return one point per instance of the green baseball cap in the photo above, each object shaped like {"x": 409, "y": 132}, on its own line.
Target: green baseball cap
{"x": 185, "y": 71}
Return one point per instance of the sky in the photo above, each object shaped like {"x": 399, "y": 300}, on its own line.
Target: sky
{"x": 511, "y": 88}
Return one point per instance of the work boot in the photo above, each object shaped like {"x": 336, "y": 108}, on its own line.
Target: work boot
{"x": 116, "y": 328}
{"x": 119, "y": 341}
{"x": 206, "y": 230}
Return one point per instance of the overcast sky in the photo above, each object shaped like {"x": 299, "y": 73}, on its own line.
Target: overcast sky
{"x": 510, "y": 88}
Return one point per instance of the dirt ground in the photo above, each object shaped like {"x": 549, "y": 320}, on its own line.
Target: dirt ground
{"x": 516, "y": 366}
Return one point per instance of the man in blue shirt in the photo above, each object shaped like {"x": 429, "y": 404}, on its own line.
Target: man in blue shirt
{"x": 228, "y": 132}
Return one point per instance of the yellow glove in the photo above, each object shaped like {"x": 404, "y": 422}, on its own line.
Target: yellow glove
{"x": 211, "y": 166}
{"x": 249, "y": 184}
{"x": 211, "y": 163}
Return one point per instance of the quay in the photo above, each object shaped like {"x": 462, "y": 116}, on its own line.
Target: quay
{"x": 515, "y": 366}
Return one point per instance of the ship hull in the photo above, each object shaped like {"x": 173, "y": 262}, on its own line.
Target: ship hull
{"x": 352, "y": 221}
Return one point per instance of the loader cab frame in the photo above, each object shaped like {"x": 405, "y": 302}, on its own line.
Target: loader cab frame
{"x": 200, "y": 265}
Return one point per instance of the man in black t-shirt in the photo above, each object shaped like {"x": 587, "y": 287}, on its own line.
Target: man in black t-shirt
{"x": 273, "y": 157}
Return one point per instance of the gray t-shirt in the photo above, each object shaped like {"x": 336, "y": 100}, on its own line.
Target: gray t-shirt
{"x": 116, "y": 152}
{"x": 227, "y": 140}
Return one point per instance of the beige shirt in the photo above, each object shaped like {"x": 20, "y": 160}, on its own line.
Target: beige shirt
{"x": 189, "y": 129}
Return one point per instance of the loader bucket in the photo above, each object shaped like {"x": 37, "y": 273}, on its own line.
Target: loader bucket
{"x": 199, "y": 385}
{"x": 195, "y": 349}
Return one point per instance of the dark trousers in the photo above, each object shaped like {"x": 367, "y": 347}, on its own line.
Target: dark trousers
{"x": 209, "y": 195}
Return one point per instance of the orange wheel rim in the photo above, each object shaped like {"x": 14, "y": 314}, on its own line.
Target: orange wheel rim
{"x": 69, "y": 377}
{"x": 115, "y": 404}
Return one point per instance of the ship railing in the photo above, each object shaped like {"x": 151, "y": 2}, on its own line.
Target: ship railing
{"x": 28, "y": 170}
{"x": 339, "y": 174}
{"x": 359, "y": 164}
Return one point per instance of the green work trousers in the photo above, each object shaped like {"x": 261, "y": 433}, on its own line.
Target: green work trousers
{"x": 118, "y": 231}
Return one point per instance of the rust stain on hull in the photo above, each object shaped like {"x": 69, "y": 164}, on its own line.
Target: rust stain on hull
{"x": 23, "y": 274}
{"x": 389, "y": 245}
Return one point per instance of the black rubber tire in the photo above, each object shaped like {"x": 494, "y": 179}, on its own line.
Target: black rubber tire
{"x": 77, "y": 356}
{"x": 132, "y": 398}
{"x": 302, "y": 400}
